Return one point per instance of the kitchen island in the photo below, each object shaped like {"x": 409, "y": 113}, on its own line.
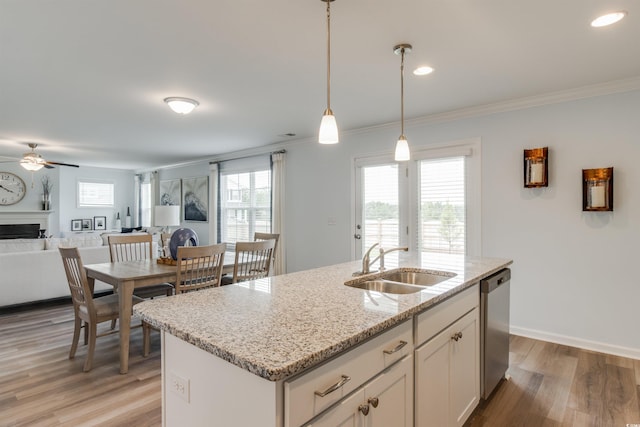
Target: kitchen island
{"x": 235, "y": 355}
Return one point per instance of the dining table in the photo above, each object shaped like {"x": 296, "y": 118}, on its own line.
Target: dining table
{"x": 125, "y": 276}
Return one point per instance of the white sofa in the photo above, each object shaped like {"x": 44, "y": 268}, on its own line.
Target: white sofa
{"x": 31, "y": 269}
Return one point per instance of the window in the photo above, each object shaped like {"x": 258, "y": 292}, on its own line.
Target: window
{"x": 145, "y": 203}
{"x": 95, "y": 194}
{"x": 430, "y": 203}
{"x": 245, "y": 205}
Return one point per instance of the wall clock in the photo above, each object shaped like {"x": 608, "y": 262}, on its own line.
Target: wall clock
{"x": 12, "y": 188}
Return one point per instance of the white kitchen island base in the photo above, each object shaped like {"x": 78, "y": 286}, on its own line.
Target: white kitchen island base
{"x": 200, "y": 389}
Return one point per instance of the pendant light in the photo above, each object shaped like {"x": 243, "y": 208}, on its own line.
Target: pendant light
{"x": 328, "y": 128}
{"x": 402, "y": 146}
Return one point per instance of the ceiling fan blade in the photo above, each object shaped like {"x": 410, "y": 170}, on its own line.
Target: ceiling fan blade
{"x": 61, "y": 164}
{"x": 47, "y": 166}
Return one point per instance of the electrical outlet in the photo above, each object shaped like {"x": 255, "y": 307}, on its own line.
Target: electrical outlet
{"x": 178, "y": 386}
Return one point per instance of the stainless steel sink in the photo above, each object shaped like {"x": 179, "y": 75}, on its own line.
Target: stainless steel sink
{"x": 418, "y": 278}
{"x": 402, "y": 282}
{"x": 386, "y": 286}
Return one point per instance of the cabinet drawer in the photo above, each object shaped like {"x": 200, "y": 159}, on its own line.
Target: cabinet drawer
{"x": 309, "y": 394}
{"x": 435, "y": 319}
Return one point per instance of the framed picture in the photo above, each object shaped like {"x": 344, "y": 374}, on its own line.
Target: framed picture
{"x": 76, "y": 225}
{"x": 99, "y": 222}
{"x": 195, "y": 198}
{"x": 87, "y": 224}
{"x": 170, "y": 192}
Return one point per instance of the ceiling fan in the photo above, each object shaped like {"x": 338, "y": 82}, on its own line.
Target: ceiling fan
{"x": 33, "y": 161}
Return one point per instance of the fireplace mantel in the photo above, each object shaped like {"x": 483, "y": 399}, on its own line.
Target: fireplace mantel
{"x": 26, "y": 217}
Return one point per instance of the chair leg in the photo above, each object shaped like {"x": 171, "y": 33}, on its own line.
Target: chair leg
{"x": 92, "y": 346}
{"x": 77, "y": 325}
{"x": 146, "y": 339}
{"x": 86, "y": 333}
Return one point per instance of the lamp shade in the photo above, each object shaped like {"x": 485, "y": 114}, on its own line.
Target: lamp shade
{"x": 167, "y": 215}
{"x": 328, "y": 129}
{"x": 402, "y": 150}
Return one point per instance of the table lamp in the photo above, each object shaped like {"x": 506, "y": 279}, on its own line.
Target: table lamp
{"x": 167, "y": 216}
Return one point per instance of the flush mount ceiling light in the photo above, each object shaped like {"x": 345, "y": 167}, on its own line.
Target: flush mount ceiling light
{"x": 423, "y": 71}
{"x": 181, "y": 105}
{"x": 402, "y": 146}
{"x": 328, "y": 133}
{"x": 608, "y": 19}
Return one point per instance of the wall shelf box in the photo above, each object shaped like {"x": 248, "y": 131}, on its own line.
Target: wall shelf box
{"x": 597, "y": 189}
{"x": 536, "y": 168}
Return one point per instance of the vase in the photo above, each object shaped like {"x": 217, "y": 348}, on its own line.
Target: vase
{"x": 46, "y": 202}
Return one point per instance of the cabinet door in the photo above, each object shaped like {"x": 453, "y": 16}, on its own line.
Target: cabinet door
{"x": 345, "y": 414}
{"x": 432, "y": 382}
{"x": 390, "y": 397}
{"x": 465, "y": 368}
{"x": 448, "y": 375}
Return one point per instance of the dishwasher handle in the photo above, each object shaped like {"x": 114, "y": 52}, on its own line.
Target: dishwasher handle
{"x": 491, "y": 283}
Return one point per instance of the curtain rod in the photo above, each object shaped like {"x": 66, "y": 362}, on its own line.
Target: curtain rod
{"x": 246, "y": 157}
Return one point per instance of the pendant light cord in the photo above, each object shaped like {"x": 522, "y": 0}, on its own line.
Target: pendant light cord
{"x": 402, "y": 93}
{"x": 329, "y": 54}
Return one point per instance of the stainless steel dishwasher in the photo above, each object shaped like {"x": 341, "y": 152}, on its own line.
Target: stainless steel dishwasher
{"x": 494, "y": 330}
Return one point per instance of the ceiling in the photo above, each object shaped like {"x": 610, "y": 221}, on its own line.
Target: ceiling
{"x": 86, "y": 79}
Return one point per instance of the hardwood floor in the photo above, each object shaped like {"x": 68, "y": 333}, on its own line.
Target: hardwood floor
{"x": 40, "y": 386}
{"x": 550, "y": 385}
{"x": 555, "y": 385}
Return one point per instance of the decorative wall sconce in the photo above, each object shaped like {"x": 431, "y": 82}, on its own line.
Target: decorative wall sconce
{"x": 536, "y": 169}
{"x": 597, "y": 189}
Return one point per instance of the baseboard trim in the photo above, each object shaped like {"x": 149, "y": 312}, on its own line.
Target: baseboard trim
{"x": 632, "y": 353}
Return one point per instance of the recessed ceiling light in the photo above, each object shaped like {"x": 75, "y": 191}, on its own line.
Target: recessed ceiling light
{"x": 181, "y": 105}
{"x": 608, "y": 19}
{"x": 423, "y": 71}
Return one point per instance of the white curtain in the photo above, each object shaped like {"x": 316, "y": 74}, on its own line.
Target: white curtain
{"x": 277, "y": 206}
{"x": 213, "y": 203}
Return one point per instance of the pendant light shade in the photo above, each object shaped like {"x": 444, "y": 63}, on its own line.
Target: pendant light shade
{"x": 328, "y": 129}
{"x": 328, "y": 133}
{"x": 402, "y": 146}
{"x": 402, "y": 150}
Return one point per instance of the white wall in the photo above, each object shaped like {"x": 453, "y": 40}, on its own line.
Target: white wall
{"x": 573, "y": 272}
{"x": 67, "y": 205}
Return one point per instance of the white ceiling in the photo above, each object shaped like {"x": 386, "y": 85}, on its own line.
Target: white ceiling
{"x": 85, "y": 79}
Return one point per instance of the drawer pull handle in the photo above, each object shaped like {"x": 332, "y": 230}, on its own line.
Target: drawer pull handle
{"x": 364, "y": 409}
{"x": 374, "y": 401}
{"x": 345, "y": 379}
{"x": 396, "y": 348}
{"x": 456, "y": 336}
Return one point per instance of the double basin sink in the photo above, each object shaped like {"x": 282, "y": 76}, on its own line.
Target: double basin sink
{"x": 402, "y": 282}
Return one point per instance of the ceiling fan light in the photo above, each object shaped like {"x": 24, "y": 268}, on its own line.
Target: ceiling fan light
{"x": 181, "y": 105}
{"x": 402, "y": 150}
{"x": 328, "y": 129}
{"x": 32, "y": 163}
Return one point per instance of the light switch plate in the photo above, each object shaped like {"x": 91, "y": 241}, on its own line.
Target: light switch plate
{"x": 179, "y": 386}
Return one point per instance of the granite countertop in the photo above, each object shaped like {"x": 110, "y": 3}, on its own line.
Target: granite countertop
{"x": 279, "y": 326}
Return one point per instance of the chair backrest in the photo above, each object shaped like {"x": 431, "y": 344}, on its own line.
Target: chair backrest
{"x": 258, "y": 237}
{"x": 134, "y": 247}
{"x": 77, "y": 279}
{"x": 253, "y": 260}
{"x": 199, "y": 267}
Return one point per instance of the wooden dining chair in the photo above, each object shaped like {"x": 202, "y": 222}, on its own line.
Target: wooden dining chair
{"x": 253, "y": 261}
{"x": 198, "y": 267}
{"x": 86, "y": 308}
{"x": 258, "y": 237}
{"x": 137, "y": 247}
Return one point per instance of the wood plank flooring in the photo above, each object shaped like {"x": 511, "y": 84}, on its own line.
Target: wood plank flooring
{"x": 551, "y": 385}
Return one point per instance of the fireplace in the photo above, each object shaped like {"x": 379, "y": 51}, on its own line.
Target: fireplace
{"x": 23, "y": 224}
{"x": 19, "y": 231}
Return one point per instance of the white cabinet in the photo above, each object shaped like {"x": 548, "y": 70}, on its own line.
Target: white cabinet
{"x": 447, "y": 367}
{"x": 385, "y": 401}
{"x": 311, "y": 393}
